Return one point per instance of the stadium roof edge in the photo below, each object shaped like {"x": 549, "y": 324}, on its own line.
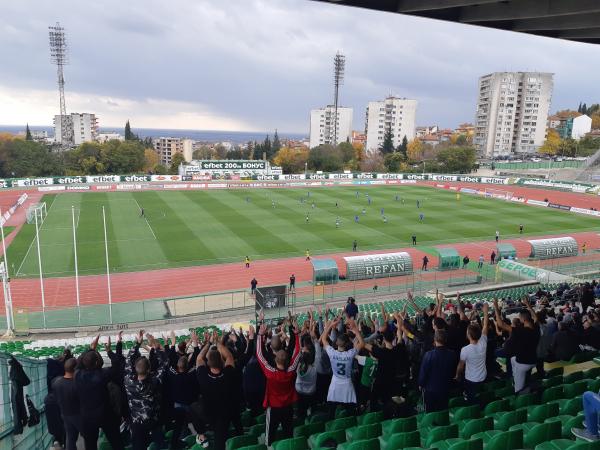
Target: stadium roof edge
{"x": 573, "y": 20}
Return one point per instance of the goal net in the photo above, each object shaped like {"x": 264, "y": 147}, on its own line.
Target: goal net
{"x": 37, "y": 210}
{"x": 498, "y": 193}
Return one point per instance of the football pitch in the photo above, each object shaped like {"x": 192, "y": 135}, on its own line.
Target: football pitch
{"x": 184, "y": 228}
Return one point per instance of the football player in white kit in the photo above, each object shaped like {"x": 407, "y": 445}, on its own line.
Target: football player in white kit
{"x": 341, "y": 389}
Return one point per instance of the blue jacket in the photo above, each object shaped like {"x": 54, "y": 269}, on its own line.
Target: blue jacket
{"x": 438, "y": 369}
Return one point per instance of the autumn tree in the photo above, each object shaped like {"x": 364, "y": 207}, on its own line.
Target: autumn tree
{"x": 457, "y": 159}
{"x": 393, "y": 162}
{"x": 551, "y": 144}
{"x": 176, "y": 161}
{"x": 414, "y": 150}
{"x": 372, "y": 162}
{"x": 291, "y": 160}
{"x": 596, "y": 121}
{"x": 150, "y": 159}
{"x": 203, "y": 153}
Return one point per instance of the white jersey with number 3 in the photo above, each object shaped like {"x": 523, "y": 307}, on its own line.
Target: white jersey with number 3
{"x": 341, "y": 389}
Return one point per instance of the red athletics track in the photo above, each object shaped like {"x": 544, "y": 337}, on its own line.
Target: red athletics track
{"x": 60, "y": 292}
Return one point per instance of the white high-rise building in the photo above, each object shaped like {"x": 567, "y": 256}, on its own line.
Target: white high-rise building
{"x": 322, "y": 126}
{"x": 399, "y": 114}
{"x": 78, "y": 128}
{"x": 512, "y": 112}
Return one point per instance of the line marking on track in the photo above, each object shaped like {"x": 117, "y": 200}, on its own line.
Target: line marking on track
{"x": 33, "y": 240}
{"x": 147, "y": 223}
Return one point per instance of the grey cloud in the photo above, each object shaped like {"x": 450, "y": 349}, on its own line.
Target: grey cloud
{"x": 268, "y": 62}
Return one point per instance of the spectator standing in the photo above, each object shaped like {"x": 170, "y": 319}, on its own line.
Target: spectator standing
{"x": 280, "y": 393}
{"x": 480, "y": 263}
{"x": 293, "y": 283}
{"x": 66, "y": 396}
{"x": 351, "y": 308}
{"x": 473, "y": 358}
{"x": 493, "y": 258}
{"x": 435, "y": 376}
{"x": 341, "y": 389}
{"x": 215, "y": 373}
{"x": 253, "y": 284}
{"x": 465, "y": 261}
{"x": 425, "y": 262}
{"x": 522, "y": 343}
{"x": 91, "y": 383}
{"x": 144, "y": 392}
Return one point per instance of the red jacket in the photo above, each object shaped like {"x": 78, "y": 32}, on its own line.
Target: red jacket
{"x": 281, "y": 389}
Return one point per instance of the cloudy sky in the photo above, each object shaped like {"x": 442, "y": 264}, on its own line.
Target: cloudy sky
{"x": 257, "y": 65}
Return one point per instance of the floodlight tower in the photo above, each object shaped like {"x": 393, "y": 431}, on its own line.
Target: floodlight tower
{"x": 339, "y": 65}
{"x": 58, "y": 57}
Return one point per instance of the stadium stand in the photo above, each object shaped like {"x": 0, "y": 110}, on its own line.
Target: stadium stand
{"x": 232, "y": 385}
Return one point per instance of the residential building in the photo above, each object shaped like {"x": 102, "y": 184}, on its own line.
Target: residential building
{"x": 512, "y": 111}
{"x": 431, "y": 139}
{"x": 421, "y": 132}
{"x": 574, "y": 127}
{"x": 167, "y": 147}
{"x": 105, "y": 137}
{"x": 397, "y": 114}
{"x": 77, "y": 128}
{"x": 359, "y": 138}
{"x": 322, "y": 125}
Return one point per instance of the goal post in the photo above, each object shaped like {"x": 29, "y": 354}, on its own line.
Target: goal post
{"x": 38, "y": 210}
{"x": 498, "y": 193}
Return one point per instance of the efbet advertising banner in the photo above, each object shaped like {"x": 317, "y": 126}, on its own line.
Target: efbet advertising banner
{"x": 28, "y": 182}
{"x": 377, "y": 266}
{"x": 102, "y": 178}
{"x": 270, "y": 297}
{"x": 232, "y": 165}
{"x": 553, "y": 248}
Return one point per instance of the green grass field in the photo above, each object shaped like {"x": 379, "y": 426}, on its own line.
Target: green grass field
{"x": 184, "y": 228}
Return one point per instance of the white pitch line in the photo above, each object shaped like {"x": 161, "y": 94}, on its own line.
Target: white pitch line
{"x": 32, "y": 240}
{"x": 147, "y": 223}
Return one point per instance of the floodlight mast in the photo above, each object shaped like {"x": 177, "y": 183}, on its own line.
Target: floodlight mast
{"x": 59, "y": 57}
{"x": 339, "y": 66}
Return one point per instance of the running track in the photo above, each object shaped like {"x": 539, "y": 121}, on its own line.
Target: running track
{"x": 189, "y": 281}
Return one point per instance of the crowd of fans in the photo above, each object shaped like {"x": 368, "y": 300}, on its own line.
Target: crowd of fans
{"x": 331, "y": 360}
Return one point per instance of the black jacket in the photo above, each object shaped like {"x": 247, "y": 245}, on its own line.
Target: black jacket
{"x": 18, "y": 380}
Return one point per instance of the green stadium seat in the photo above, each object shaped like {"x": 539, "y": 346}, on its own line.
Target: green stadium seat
{"x": 464, "y": 413}
{"x": 369, "y": 418}
{"x": 400, "y": 440}
{"x": 555, "y": 444}
{"x": 555, "y": 372}
{"x": 318, "y": 440}
{"x": 503, "y": 421}
{"x": 249, "y": 447}
{"x": 540, "y": 413}
{"x": 572, "y": 377}
{"x": 521, "y": 401}
{"x": 318, "y": 417}
{"x": 236, "y": 442}
{"x": 542, "y": 433}
{"x": 594, "y": 385}
{"x": 470, "y": 427}
{"x": 507, "y": 440}
{"x": 340, "y": 424}
{"x": 364, "y": 444}
{"x": 551, "y": 382}
{"x": 471, "y": 444}
{"x": 496, "y": 406}
{"x": 439, "y": 433}
{"x": 363, "y": 432}
{"x": 295, "y": 443}
{"x": 574, "y": 422}
{"x": 455, "y": 402}
{"x": 576, "y": 388}
{"x": 594, "y": 372}
{"x": 572, "y": 406}
{"x": 402, "y": 425}
{"x": 553, "y": 393}
{"x": 309, "y": 429}
{"x": 433, "y": 419}
{"x": 256, "y": 430}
